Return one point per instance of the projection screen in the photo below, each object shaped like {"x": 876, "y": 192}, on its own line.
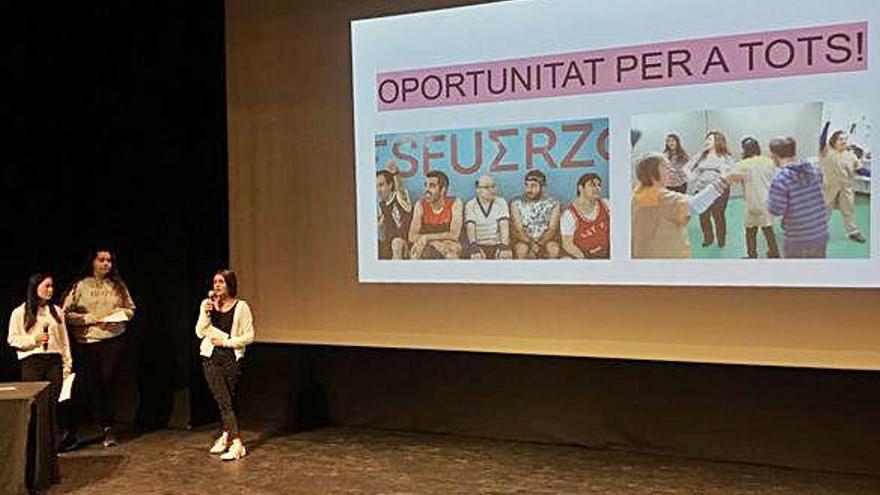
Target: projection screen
{"x": 571, "y": 96}
{"x": 505, "y": 143}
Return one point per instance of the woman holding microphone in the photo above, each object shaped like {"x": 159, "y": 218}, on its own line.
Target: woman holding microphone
{"x": 226, "y": 327}
{"x": 38, "y": 334}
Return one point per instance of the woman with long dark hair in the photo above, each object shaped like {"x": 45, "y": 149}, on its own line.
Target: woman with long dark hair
{"x": 226, "y": 327}
{"x": 38, "y": 334}
{"x": 97, "y": 308}
{"x": 677, "y": 178}
{"x": 715, "y": 161}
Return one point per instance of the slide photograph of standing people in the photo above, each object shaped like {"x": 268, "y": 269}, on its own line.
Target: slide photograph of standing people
{"x": 777, "y": 181}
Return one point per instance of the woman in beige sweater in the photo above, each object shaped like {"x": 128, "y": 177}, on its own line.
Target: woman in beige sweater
{"x": 97, "y": 308}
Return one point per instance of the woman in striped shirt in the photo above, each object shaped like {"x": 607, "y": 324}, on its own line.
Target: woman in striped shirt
{"x": 677, "y": 179}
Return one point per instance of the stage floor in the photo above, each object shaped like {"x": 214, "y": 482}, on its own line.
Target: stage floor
{"x": 354, "y": 461}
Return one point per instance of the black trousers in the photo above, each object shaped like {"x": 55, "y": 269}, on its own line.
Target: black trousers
{"x": 97, "y": 373}
{"x": 46, "y": 367}
{"x": 221, "y": 373}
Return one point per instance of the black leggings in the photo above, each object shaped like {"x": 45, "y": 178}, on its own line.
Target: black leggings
{"x": 221, "y": 373}
{"x": 97, "y": 373}
{"x": 46, "y": 367}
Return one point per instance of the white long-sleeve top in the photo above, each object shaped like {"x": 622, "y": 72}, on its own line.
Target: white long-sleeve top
{"x": 707, "y": 170}
{"x": 27, "y": 342}
{"x": 241, "y": 336}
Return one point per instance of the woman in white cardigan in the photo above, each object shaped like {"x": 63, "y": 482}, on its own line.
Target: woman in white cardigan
{"x": 226, "y": 327}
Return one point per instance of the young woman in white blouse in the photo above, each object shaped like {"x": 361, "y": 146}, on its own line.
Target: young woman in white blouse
{"x": 226, "y": 327}
{"x": 38, "y": 334}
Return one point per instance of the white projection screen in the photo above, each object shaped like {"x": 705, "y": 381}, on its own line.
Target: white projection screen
{"x": 575, "y": 88}
{"x": 503, "y": 190}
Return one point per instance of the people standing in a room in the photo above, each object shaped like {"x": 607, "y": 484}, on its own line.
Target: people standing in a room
{"x": 435, "y": 229}
{"x": 97, "y": 308}
{"x": 585, "y": 224}
{"x": 678, "y": 158}
{"x": 660, "y": 216}
{"x": 38, "y": 334}
{"x": 839, "y": 166}
{"x": 758, "y": 171}
{"x": 226, "y": 327}
{"x": 535, "y": 220}
{"x": 714, "y": 161}
{"x": 395, "y": 213}
{"x": 487, "y": 222}
{"x": 796, "y": 195}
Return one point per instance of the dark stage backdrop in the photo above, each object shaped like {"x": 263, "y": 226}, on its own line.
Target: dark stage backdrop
{"x": 119, "y": 137}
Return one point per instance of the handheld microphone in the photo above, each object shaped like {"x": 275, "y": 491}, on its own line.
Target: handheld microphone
{"x": 46, "y": 333}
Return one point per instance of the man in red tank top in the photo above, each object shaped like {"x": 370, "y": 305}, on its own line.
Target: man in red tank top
{"x": 586, "y": 223}
{"x": 436, "y": 223}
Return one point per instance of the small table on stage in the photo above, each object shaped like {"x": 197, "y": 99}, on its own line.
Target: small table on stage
{"x": 27, "y": 459}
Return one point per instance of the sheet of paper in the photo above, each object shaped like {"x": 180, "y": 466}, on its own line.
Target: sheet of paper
{"x": 66, "y": 387}
{"x": 206, "y": 348}
{"x": 115, "y": 317}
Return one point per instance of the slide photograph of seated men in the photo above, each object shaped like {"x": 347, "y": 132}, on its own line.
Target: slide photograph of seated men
{"x": 535, "y": 191}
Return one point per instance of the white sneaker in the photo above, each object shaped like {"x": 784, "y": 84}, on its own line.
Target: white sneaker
{"x": 236, "y": 451}
{"x": 221, "y": 444}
